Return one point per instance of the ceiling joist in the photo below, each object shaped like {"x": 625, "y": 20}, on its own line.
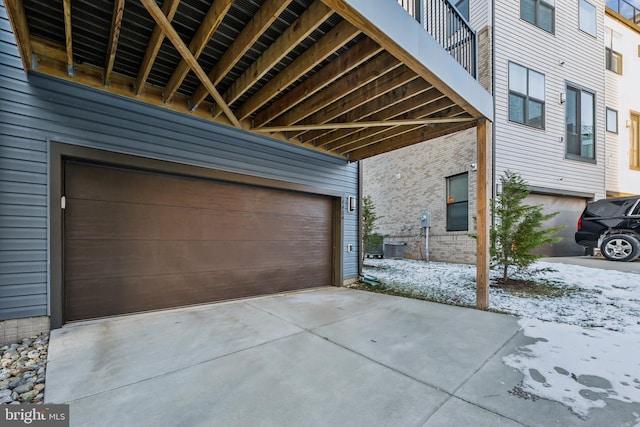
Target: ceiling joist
{"x": 361, "y": 52}
{"x": 364, "y": 124}
{"x": 261, "y": 21}
{"x": 209, "y": 25}
{"x": 116, "y": 24}
{"x": 169, "y": 8}
{"x": 181, "y": 47}
{"x": 310, "y": 19}
{"x": 66, "y": 4}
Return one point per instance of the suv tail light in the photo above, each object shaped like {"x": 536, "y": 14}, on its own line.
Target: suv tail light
{"x": 579, "y": 224}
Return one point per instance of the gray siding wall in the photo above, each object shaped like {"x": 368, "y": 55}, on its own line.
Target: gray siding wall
{"x": 37, "y": 109}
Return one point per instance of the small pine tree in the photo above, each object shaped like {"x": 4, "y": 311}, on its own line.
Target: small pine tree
{"x": 517, "y": 230}
{"x": 369, "y": 218}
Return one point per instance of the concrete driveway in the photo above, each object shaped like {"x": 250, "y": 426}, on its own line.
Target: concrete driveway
{"x": 598, "y": 262}
{"x": 326, "y": 357}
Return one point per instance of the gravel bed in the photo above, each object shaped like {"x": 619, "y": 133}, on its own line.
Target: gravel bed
{"x": 22, "y": 370}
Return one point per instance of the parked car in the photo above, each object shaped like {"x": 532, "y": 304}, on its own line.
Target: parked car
{"x": 613, "y": 225}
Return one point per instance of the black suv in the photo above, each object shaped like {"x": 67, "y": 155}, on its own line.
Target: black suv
{"x": 613, "y": 225}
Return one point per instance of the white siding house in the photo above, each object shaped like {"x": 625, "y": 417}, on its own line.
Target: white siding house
{"x": 622, "y": 63}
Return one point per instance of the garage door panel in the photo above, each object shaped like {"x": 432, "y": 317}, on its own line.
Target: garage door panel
{"x": 108, "y": 259}
{"x": 99, "y": 298}
{"x": 90, "y": 219}
{"x": 136, "y": 241}
{"x": 112, "y": 184}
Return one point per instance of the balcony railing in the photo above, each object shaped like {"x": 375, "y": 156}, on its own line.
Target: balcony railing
{"x": 448, "y": 28}
{"x": 626, "y": 9}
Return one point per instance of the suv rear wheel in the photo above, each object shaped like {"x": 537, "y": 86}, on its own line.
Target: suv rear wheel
{"x": 620, "y": 247}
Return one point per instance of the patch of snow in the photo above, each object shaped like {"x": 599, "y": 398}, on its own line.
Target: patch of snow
{"x": 587, "y": 345}
{"x": 577, "y": 366}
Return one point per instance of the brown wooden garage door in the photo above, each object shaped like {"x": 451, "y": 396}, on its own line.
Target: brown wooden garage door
{"x": 136, "y": 241}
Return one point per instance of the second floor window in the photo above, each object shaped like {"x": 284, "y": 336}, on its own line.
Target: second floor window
{"x": 588, "y": 18}
{"x": 612, "y": 120}
{"x": 580, "y": 124}
{"x": 526, "y": 96}
{"x": 612, "y": 44}
{"x": 539, "y": 12}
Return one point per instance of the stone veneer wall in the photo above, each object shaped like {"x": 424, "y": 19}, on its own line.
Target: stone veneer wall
{"x": 14, "y": 330}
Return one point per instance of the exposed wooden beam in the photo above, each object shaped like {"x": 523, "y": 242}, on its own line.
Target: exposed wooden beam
{"x": 379, "y": 66}
{"x": 169, "y": 8}
{"x": 268, "y": 12}
{"x": 483, "y": 192}
{"x": 372, "y": 90}
{"x": 358, "y": 54}
{"x": 397, "y": 133}
{"x": 182, "y": 48}
{"x": 391, "y": 45}
{"x": 437, "y": 106}
{"x": 209, "y": 25}
{"x": 416, "y": 136}
{"x": 318, "y": 52}
{"x": 18, "y": 20}
{"x": 66, "y": 5}
{"x": 306, "y": 23}
{"x": 112, "y": 47}
{"x": 365, "y": 124}
{"x": 378, "y": 109}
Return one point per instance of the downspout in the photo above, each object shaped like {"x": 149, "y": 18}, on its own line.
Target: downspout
{"x": 360, "y": 242}
{"x": 493, "y": 93}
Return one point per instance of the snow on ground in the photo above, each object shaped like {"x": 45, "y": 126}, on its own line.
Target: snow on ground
{"x": 587, "y": 344}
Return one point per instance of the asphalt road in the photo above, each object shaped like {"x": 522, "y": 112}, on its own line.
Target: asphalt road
{"x": 598, "y": 262}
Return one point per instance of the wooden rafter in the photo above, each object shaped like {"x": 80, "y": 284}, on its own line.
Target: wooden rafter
{"x": 399, "y": 133}
{"x": 208, "y": 26}
{"x": 268, "y": 12}
{"x": 66, "y": 4}
{"x": 365, "y": 124}
{"x": 424, "y": 111}
{"x": 374, "y": 107}
{"x": 181, "y": 47}
{"x": 382, "y": 64}
{"x": 308, "y": 21}
{"x": 169, "y": 8}
{"x": 321, "y": 50}
{"x": 392, "y": 46}
{"x": 358, "y": 54}
{"x": 409, "y": 138}
{"x": 399, "y": 110}
{"x": 116, "y": 24}
{"x": 18, "y": 20}
{"x": 363, "y": 95}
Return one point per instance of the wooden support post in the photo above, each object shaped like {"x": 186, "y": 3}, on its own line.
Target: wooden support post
{"x": 483, "y": 216}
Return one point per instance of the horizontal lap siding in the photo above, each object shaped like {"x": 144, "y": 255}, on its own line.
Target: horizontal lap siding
{"x": 568, "y": 56}
{"x": 37, "y": 109}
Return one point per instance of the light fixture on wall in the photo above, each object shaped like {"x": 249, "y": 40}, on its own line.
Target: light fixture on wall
{"x": 563, "y": 97}
{"x": 627, "y": 123}
{"x": 351, "y": 204}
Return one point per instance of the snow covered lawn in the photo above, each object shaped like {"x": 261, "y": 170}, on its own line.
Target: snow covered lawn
{"x": 587, "y": 341}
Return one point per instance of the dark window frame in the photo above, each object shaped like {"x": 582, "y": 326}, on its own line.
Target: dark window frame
{"x": 527, "y": 98}
{"x": 579, "y": 90}
{"x": 538, "y": 5}
{"x": 455, "y": 203}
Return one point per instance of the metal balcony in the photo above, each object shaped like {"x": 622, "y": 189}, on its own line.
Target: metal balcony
{"x": 449, "y": 28}
{"x": 625, "y": 9}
